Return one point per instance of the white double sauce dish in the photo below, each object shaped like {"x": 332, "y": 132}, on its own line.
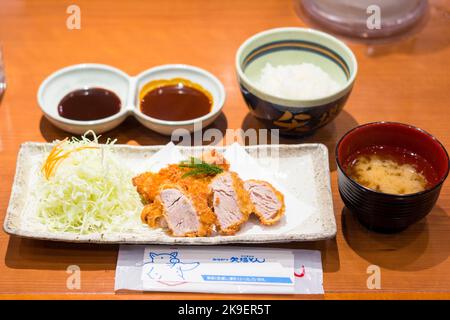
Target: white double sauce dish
{"x": 123, "y": 95}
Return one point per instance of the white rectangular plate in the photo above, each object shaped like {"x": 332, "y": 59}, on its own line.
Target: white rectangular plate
{"x": 303, "y": 169}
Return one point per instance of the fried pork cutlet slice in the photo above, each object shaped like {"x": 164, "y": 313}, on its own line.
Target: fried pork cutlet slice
{"x": 230, "y": 201}
{"x": 268, "y": 202}
{"x": 184, "y": 215}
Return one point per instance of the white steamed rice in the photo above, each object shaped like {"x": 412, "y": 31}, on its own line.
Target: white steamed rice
{"x": 303, "y": 81}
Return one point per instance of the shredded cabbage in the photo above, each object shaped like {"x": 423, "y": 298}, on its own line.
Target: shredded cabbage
{"x": 89, "y": 191}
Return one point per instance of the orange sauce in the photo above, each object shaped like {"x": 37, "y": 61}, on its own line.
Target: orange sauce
{"x": 176, "y": 99}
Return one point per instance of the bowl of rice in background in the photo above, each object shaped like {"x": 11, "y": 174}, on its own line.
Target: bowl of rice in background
{"x": 295, "y": 79}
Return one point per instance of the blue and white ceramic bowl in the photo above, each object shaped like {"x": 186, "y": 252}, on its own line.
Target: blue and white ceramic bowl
{"x": 287, "y": 46}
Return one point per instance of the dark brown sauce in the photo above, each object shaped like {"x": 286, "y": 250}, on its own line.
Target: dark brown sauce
{"x": 89, "y": 104}
{"x": 175, "y": 100}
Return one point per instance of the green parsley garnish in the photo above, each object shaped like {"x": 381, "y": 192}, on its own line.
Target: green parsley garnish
{"x": 199, "y": 167}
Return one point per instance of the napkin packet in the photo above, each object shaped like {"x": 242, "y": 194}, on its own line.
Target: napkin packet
{"x": 219, "y": 269}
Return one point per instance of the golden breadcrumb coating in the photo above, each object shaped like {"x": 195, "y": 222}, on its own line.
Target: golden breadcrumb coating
{"x": 148, "y": 183}
{"x": 152, "y": 213}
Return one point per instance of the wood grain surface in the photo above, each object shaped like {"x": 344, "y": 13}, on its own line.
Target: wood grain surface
{"x": 406, "y": 81}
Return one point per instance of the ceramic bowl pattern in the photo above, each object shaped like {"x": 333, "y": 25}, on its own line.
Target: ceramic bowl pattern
{"x": 293, "y": 46}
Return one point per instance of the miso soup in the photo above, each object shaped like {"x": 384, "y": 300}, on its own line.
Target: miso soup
{"x": 391, "y": 170}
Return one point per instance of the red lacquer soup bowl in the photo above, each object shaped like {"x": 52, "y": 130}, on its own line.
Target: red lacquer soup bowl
{"x": 386, "y": 212}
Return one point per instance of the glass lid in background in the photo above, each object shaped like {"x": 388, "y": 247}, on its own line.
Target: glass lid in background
{"x": 366, "y": 20}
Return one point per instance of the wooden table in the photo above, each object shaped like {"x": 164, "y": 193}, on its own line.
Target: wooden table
{"x": 407, "y": 82}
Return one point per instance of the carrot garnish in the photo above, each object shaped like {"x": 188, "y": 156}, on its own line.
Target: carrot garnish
{"x": 57, "y": 155}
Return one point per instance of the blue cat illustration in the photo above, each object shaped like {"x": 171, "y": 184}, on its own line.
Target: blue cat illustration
{"x": 168, "y": 264}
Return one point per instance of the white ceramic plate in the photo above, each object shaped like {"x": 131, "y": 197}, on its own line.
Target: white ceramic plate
{"x": 303, "y": 169}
